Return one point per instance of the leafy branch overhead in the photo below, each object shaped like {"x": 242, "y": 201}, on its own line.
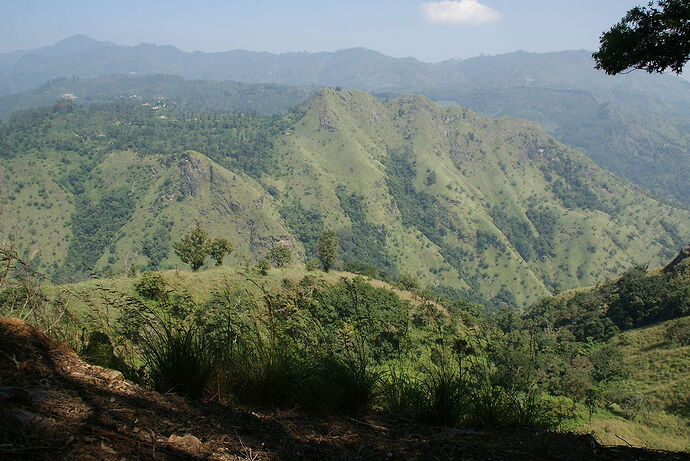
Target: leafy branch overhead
{"x": 655, "y": 38}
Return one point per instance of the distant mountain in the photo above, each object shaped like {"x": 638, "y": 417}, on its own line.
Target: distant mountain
{"x": 200, "y": 96}
{"x": 634, "y": 125}
{"x": 491, "y": 209}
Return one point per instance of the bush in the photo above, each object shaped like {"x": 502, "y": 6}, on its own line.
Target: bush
{"x": 258, "y": 370}
{"x": 99, "y": 351}
{"x": 312, "y": 264}
{"x": 678, "y": 332}
{"x": 263, "y": 266}
{"x": 280, "y": 256}
{"x": 152, "y": 285}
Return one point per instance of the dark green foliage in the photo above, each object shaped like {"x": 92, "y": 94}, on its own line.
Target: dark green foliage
{"x": 360, "y": 268}
{"x": 156, "y": 247}
{"x": 571, "y": 188}
{"x": 364, "y": 241}
{"x": 679, "y": 333}
{"x": 236, "y": 141}
{"x": 545, "y": 220}
{"x": 261, "y": 365}
{"x": 93, "y": 227}
{"x": 327, "y": 249}
{"x": 343, "y": 381}
{"x": 640, "y": 298}
{"x": 193, "y": 248}
{"x": 487, "y": 240}
{"x": 408, "y": 282}
{"x": 583, "y": 316}
{"x": 280, "y": 255}
{"x": 504, "y": 298}
{"x": 467, "y": 387}
{"x": 306, "y": 224}
{"x": 608, "y": 364}
{"x": 636, "y": 299}
{"x": 219, "y": 248}
{"x": 152, "y": 286}
{"x": 99, "y": 351}
{"x": 517, "y": 231}
{"x": 177, "y": 359}
{"x": 418, "y": 209}
{"x": 312, "y": 264}
{"x": 653, "y": 38}
{"x": 421, "y": 210}
{"x": 263, "y": 266}
{"x": 377, "y": 314}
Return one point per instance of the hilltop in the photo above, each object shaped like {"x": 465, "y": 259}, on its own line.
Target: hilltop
{"x": 491, "y": 209}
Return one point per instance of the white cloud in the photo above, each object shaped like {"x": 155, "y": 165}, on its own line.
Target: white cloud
{"x": 463, "y": 12}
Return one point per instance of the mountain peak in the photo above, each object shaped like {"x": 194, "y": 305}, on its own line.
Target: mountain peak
{"x": 78, "y": 43}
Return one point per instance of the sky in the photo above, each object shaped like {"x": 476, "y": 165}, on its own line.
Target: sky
{"x": 427, "y": 30}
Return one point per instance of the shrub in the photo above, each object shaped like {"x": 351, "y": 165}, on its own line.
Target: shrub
{"x": 263, "y": 266}
{"x": 678, "y": 332}
{"x": 218, "y": 248}
{"x": 280, "y": 256}
{"x": 260, "y": 368}
{"x": 312, "y": 264}
{"x": 152, "y": 285}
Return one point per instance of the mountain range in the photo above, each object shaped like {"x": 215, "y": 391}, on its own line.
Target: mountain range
{"x": 633, "y": 125}
{"x": 491, "y": 209}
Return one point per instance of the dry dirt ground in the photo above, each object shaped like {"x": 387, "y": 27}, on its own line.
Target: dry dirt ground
{"x": 54, "y": 406}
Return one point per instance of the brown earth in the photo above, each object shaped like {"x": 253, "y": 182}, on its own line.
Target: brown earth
{"x": 54, "y": 406}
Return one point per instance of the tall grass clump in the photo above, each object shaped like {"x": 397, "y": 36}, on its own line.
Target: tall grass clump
{"x": 22, "y": 296}
{"x": 258, "y": 367}
{"x": 177, "y": 359}
{"x": 342, "y": 380}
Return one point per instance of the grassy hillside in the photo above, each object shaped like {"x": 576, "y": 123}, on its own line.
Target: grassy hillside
{"x": 657, "y": 412}
{"x": 490, "y": 209}
{"x": 634, "y": 332}
{"x": 275, "y": 338}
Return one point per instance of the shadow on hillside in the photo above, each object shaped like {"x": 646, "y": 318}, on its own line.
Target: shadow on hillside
{"x": 54, "y": 406}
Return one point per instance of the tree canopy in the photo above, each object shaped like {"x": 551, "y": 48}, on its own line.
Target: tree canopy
{"x": 654, "y": 38}
{"x": 193, "y": 248}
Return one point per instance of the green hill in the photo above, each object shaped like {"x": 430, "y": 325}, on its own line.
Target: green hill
{"x": 492, "y": 209}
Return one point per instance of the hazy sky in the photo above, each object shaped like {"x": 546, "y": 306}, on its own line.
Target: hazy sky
{"x": 428, "y": 30}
